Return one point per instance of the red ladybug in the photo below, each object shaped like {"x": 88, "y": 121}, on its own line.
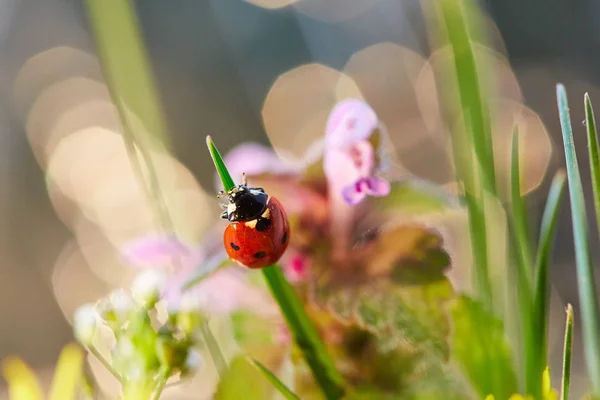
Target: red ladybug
{"x": 258, "y": 232}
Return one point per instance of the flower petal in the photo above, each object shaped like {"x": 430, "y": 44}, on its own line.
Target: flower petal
{"x": 353, "y": 194}
{"x": 375, "y": 186}
{"x": 253, "y": 159}
{"x": 159, "y": 251}
{"x": 350, "y": 121}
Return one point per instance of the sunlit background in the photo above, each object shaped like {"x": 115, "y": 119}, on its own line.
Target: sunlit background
{"x": 261, "y": 70}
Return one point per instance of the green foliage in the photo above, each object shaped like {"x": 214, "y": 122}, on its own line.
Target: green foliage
{"x": 480, "y": 346}
{"x": 585, "y": 274}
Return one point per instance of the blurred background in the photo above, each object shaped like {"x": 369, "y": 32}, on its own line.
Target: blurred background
{"x": 248, "y": 70}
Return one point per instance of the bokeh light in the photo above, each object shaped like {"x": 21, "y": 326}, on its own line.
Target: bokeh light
{"x": 334, "y": 10}
{"x": 298, "y": 104}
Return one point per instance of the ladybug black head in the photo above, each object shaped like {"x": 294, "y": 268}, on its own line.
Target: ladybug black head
{"x": 245, "y": 204}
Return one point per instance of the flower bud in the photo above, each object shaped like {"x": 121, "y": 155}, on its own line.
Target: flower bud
{"x": 85, "y": 324}
{"x": 122, "y": 303}
{"x": 147, "y": 286}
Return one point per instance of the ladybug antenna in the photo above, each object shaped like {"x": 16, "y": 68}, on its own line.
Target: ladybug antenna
{"x": 244, "y": 180}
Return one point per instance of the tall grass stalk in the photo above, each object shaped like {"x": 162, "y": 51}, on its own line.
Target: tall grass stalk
{"x": 585, "y": 274}
{"x": 127, "y": 70}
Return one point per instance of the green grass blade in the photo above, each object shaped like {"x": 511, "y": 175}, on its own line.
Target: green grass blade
{"x": 126, "y": 68}
{"x": 128, "y": 73}
{"x": 519, "y": 215}
{"x": 585, "y": 274}
{"x": 566, "y": 373}
{"x": 522, "y": 274}
{"x": 542, "y": 281}
{"x": 541, "y": 295}
{"x": 594, "y": 152}
{"x": 474, "y": 108}
{"x": 226, "y": 179}
{"x": 300, "y": 325}
{"x": 274, "y": 380}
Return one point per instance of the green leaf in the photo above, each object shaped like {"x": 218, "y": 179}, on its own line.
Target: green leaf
{"x": 277, "y": 384}
{"x": 243, "y": 381}
{"x": 585, "y": 270}
{"x": 566, "y": 372}
{"x": 479, "y": 345}
{"x": 395, "y": 288}
{"x": 542, "y": 281}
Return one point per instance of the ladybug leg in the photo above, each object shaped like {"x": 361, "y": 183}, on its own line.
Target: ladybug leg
{"x": 244, "y": 179}
{"x": 221, "y": 194}
{"x": 224, "y": 214}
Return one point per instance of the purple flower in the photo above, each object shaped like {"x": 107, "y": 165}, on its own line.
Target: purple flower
{"x": 349, "y": 161}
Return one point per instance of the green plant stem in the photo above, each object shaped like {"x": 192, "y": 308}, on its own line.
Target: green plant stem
{"x": 301, "y": 327}
{"x": 585, "y": 274}
{"x": 566, "y": 372}
{"x": 215, "y": 350}
{"x": 162, "y": 381}
{"x": 93, "y": 350}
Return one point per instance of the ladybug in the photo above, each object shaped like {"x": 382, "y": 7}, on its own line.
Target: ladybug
{"x": 258, "y": 232}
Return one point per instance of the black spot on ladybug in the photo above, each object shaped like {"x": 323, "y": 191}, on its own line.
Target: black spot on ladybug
{"x": 260, "y": 254}
{"x": 263, "y": 224}
{"x": 233, "y": 246}
{"x": 284, "y": 238}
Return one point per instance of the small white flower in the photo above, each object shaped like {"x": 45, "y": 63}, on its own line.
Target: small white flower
{"x": 147, "y": 286}
{"x": 122, "y": 303}
{"x": 85, "y": 323}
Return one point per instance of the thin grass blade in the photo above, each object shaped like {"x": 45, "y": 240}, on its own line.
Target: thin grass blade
{"x": 128, "y": 72}
{"x": 585, "y": 274}
{"x": 594, "y": 153}
{"x": 542, "y": 281}
{"x": 274, "y": 380}
{"x": 566, "y": 373}
{"x": 474, "y": 108}
{"x": 302, "y": 329}
{"x": 522, "y": 274}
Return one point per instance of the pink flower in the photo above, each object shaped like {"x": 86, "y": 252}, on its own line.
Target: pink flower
{"x": 349, "y": 158}
{"x": 253, "y": 159}
{"x": 296, "y": 267}
{"x": 220, "y": 293}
